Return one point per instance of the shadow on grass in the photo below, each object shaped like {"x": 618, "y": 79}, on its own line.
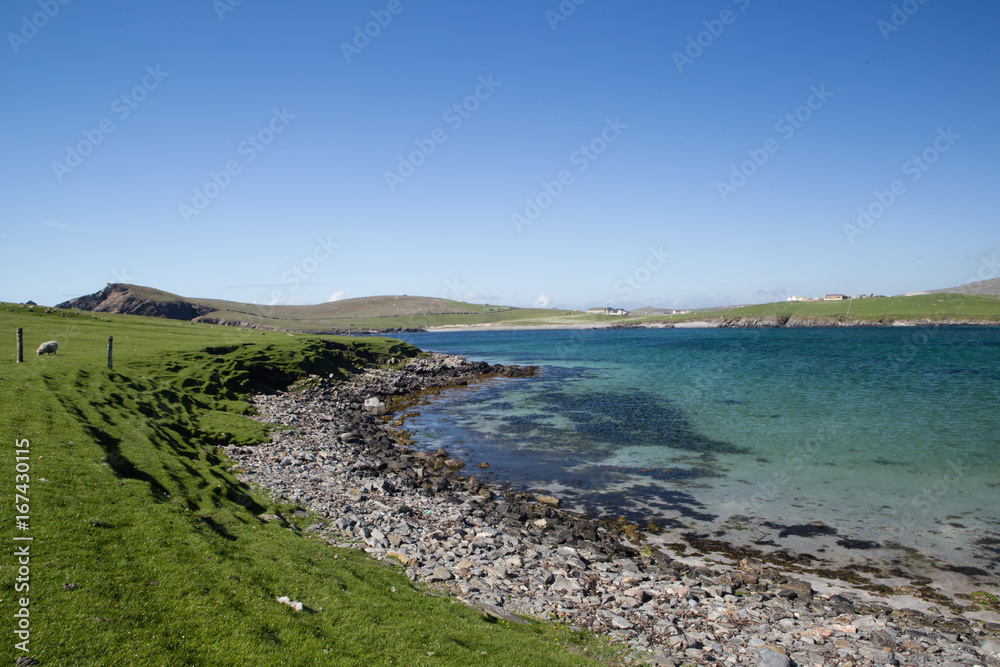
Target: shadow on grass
{"x": 170, "y": 442}
{"x": 121, "y": 466}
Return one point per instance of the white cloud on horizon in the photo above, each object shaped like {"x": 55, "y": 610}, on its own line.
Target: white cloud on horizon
{"x": 336, "y": 296}
{"x": 543, "y": 300}
{"x": 476, "y": 297}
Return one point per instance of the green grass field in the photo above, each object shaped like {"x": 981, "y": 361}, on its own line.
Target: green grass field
{"x": 308, "y": 322}
{"x": 934, "y": 307}
{"x": 147, "y": 549}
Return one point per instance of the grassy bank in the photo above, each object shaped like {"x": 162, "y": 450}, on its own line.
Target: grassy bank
{"x": 147, "y": 549}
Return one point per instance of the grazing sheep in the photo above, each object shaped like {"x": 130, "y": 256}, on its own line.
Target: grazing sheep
{"x": 48, "y": 348}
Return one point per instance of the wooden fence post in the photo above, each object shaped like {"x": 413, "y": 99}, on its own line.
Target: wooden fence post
{"x": 20, "y": 345}
{"x": 110, "y": 343}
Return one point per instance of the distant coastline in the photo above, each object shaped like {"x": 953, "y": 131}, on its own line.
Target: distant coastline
{"x": 766, "y": 322}
{"x": 390, "y": 315}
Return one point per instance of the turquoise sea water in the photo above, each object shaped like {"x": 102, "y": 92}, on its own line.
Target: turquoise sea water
{"x": 885, "y": 436}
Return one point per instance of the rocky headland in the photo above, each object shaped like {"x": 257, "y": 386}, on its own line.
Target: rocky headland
{"x": 120, "y": 298}
{"x": 508, "y": 553}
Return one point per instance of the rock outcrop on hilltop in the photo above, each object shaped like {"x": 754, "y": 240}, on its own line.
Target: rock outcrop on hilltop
{"x": 120, "y": 298}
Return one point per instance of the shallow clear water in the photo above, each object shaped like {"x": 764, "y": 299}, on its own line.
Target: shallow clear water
{"x": 887, "y": 434}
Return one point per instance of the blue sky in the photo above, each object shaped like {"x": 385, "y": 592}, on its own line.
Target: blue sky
{"x": 571, "y": 154}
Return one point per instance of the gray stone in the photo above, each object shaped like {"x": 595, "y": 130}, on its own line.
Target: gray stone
{"x": 665, "y": 627}
{"x": 620, "y": 622}
{"x": 638, "y": 593}
{"x": 626, "y": 565}
{"x": 772, "y": 657}
{"x": 561, "y": 583}
{"x": 865, "y": 623}
{"x": 796, "y": 589}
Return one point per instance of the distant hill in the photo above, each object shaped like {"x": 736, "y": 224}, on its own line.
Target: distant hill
{"x": 136, "y": 300}
{"x": 381, "y": 313}
{"x": 983, "y": 287}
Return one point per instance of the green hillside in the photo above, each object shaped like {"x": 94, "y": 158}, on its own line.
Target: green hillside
{"x": 310, "y": 321}
{"x": 372, "y": 306}
{"x": 931, "y": 307}
{"x": 389, "y": 313}
{"x": 364, "y": 313}
{"x": 984, "y": 287}
{"x": 147, "y": 549}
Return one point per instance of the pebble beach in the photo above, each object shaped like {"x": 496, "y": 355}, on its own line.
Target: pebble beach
{"x": 512, "y": 554}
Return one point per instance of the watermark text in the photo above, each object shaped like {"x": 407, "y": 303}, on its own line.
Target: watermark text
{"x": 248, "y": 149}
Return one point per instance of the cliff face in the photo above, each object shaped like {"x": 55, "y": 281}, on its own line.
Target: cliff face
{"x": 119, "y": 298}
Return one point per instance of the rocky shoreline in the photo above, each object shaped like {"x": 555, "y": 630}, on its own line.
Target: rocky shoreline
{"x": 506, "y": 553}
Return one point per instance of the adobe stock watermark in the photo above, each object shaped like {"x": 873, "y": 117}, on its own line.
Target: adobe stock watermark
{"x": 363, "y": 36}
{"x": 919, "y": 340}
{"x": 30, "y": 25}
{"x": 562, "y": 12}
{"x": 698, "y": 43}
{"x": 989, "y": 268}
{"x": 716, "y": 373}
{"x": 568, "y": 350}
{"x": 454, "y": 290}
{"x": 756, "y": 498}
{"x": 455, "y": 116}
{"x": 581, "y": 158}
{"x": 786, "y": 126}
{"x": 122, "y": 276}
{"x": 248, "y": 149}
{"x": 300, "y": 272}
{"x": 223, "y": 7}
{"x": 632, "y": 282}
{"x": 899, "y": 17}
{"x": 22, "y": 551}
{"x": 915, "y": 167}
{"x": 122, "y": 107}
